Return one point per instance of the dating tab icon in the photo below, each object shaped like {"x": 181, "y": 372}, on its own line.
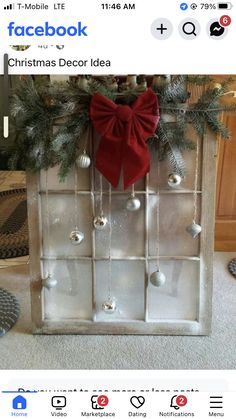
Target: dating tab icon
{"x": 137, "y": 401}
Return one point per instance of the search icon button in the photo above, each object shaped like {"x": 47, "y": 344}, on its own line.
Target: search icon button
{"x": 189, "y": 29}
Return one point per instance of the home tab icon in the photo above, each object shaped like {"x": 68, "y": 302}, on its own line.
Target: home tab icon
{"x": 19, "y": 403}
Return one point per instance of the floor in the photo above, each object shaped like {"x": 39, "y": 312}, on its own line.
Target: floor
{"x": 19, "y": 349}
{"x": 12, "y": 180}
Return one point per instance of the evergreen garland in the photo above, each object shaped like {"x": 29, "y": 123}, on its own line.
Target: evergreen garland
{"x": 51, "y": 118}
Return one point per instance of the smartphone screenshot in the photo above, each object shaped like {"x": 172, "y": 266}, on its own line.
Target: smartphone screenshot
{"x": 117, "y": 209}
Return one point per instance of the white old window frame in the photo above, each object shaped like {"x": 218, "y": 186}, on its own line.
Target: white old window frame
{"x": 50, "y": 323}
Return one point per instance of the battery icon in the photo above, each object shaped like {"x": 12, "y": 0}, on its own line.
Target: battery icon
{"x": 225, "y": 6}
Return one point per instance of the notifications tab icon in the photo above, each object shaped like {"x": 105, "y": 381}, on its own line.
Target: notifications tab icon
{"x": 178, "y": 401}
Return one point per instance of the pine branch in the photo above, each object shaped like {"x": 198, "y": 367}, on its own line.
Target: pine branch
{"x": 175, "y": 91}
{"x": 198, "y": 122}
{"x": 217, "y": 126}
{"x": 169, "y": 149}
{"x": 97, "y": 87}
{"x": 176, "y": 160}
{"x": 37, "y": 107}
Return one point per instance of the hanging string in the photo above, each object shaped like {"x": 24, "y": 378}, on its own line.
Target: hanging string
{"x": 49, "y": 281}
{"x": 75, "y": 198}
{"x": 199, "y": 90}
{"x": 87, "y": 134}
{"x": 76, "y": 237}
{"x": 48, "y": 278}
{"x": 196, "y": 172}
{"x": 100, "y": 221}
{"x": 158, "y": 222}
{"x": 47, "y": 214}
{"x": 101, "y": 195}
{"x": 109, "y": 244}
{"x": 195, "y": 195}
{"x": 157, "y": 278}
{"x": 133, "y": 191}
{"x": 109, "y": 306}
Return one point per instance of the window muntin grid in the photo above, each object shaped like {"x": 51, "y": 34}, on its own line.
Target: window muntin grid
{"x": 92, "y": 252}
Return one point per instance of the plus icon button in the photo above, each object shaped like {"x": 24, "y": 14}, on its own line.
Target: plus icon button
{"x": 161, "y": 28}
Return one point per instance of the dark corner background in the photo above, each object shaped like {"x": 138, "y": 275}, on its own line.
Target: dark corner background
{"x": 5, "y": 144}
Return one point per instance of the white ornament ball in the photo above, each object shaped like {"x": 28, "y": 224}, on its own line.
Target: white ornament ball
{"x": 217, "y": 86}
{"x": 49, "y": 282}
{"x": 83, "y": 160}
{"x": 174, "y": 179}
{"x": 194, "y": 229}
{"x": 83, "y": 83}
{"x": 109, "y": 306}
{"x": 76, "y": 237}
{"x": 133, "y": 203}
{"x": 100, "y": 222}
{"x": 157, "y": 279}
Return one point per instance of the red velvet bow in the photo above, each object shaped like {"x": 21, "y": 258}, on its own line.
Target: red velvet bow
{"x": 124, "y": 130}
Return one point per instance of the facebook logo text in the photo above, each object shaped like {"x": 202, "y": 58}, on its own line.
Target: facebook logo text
{"x": 47, "y": 30}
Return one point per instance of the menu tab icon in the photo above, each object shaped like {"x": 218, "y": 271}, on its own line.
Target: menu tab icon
{"x": 216, "y": 402}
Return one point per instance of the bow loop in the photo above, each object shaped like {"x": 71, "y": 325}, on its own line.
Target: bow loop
{"x": 124, "y": 130}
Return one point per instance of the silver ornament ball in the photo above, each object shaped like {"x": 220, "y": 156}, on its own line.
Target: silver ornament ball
{"x": 100, "y": 222}
{"x": 157, "y": 279}
{"x": 174, "y": 179}
{"x": 194, "y": 229}
{"x": 109, "y": 306}
{"x": 83, "y": 160}
{"x": 49, "y": 282}
{"x": 133, "y": 203}
{"x": 76, "y": 237}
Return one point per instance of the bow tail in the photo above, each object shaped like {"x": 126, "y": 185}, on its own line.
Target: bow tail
{"x": 136, "y": 164}
{"x": 109, "y": 160}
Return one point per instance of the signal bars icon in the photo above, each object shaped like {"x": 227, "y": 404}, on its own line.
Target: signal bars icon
{"x": 9, "y": 7}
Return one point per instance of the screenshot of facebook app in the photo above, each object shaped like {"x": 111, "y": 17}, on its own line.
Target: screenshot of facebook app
{"x": 117, "y": 209}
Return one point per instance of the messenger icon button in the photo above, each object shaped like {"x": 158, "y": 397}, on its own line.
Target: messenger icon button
{"x": 189, "y": 29}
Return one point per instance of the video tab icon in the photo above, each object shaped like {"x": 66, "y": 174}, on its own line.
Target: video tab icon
{"x": 58, "y": 402}
{"x": 9, "y": 7}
